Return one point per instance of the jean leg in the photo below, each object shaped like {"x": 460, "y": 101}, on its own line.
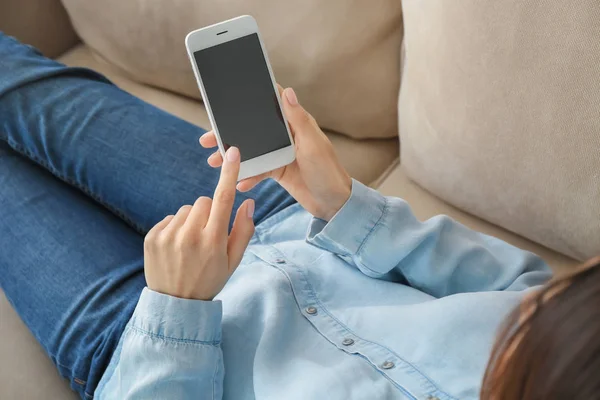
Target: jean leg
{"x": 70, "y": 268}
{"x": 138, "y": 161}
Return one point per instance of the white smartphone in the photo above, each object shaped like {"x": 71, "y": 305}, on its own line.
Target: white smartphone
{"x": 240, "y": 94}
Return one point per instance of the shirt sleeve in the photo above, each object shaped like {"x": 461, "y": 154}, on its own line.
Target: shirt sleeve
{"x": 169, "y": 350}
{"x": 382, "y": 237}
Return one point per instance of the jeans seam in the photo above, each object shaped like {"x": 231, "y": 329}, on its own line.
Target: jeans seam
{"x": 72, "y": 374}
{"x": 120, "y": 214}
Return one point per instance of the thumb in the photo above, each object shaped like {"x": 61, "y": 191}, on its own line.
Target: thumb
{"x": 241, "y": 233}
{"x": 301, "y": 122}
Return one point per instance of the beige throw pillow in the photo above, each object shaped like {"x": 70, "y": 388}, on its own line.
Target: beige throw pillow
{"x": 341, "y": 56}
{"x": 500, "y": 113}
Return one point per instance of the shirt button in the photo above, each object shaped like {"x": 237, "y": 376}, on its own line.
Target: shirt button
{"x": 387, "y": 365}
{"x": 311, "y": 310}
{"x": 279, "y": 261}
{"x": 348, "y": 342}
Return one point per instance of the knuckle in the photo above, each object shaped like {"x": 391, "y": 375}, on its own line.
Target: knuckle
{"x": 203, "y": 202}
{"x": 149, "y": 240}
{"x": 189, "y": 238}
{"x": 184, "y": 209}
{"x": 162, "y": 240}
{"x": 305, "y": 118}
{"x": 214, "y": 237}
{"x": 225, "y": 196}
{"x": 180, "y": 243}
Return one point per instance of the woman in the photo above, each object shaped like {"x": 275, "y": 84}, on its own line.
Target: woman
{"x": 344, "y": 295}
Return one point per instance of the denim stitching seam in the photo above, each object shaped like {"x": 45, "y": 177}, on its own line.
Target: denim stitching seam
{"x": 23, "y": 151}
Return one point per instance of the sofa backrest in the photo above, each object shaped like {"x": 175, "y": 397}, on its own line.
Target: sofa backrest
{"x": 40, "y": 23}
{"x": 500, "y": 113}
{"x": 341, "y": 56}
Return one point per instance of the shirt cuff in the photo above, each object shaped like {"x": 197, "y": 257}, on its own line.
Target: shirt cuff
{"x": 348, "y": 229}
{"x": 172, "y": 318}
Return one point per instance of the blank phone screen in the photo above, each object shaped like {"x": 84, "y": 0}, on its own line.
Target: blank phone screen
{"x": 241, "y": 95}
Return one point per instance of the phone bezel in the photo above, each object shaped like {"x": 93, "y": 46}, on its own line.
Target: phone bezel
{"x": 221, "y": 33}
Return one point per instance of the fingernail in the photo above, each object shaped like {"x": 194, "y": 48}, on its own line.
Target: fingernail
{"x": 250, "y": 209}
{"x": 291, "y": 96}
{"x": 232, "y": 154}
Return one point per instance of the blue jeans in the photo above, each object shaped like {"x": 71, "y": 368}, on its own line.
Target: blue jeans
{"x": 85, "y": 171}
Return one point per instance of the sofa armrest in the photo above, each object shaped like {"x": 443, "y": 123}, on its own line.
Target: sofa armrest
{"x": 40, "y": 23}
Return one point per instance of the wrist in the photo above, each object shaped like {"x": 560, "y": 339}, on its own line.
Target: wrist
{"x": 337, "y": 199}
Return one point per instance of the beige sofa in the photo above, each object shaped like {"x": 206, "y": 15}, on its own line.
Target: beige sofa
{"x": 25, "y": 371}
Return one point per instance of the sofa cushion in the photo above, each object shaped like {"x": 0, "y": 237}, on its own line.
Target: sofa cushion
{"x": 500, "y": 114}
{"x": 365, "y": 160}
{"x": 425, "y": 205}
{"x": 340, "y": 56}
{"x": 26, "y": 372}
{"x": 40, "y": 23}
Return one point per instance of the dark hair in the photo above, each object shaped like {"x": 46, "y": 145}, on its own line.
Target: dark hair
{"x": 549, "y": 347}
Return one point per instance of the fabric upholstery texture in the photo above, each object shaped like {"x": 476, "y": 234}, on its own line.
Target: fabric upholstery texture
{"x": 340, "y": 56}
{"x": 41, "y": 23}
{"x": 26, "y": 372}
{"x": 499, "y": 114}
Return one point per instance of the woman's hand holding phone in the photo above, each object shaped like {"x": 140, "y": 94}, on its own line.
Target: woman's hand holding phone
{"x": 191, "y": 255}
{"x": 316, "y": 179}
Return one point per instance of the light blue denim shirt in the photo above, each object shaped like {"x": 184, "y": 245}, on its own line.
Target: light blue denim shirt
{"x": 371, "y": 305}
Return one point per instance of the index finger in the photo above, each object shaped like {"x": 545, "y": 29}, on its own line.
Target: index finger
{"x": 222, "y": 206}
